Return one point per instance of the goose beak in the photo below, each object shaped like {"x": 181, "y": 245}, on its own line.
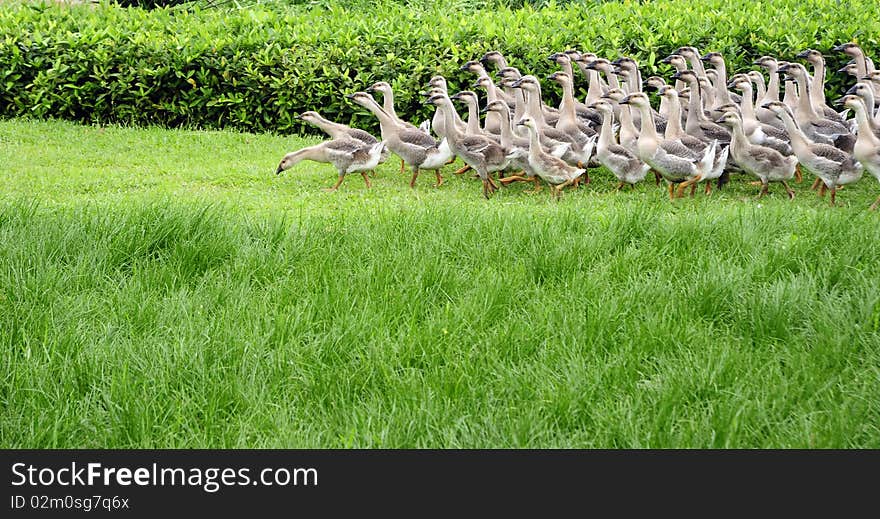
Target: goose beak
{"x": 553, "y": 57}
{"x": 705, "y": 58}
{"x": 298, "y": 116}
{"x": 840, "y": 48}
{"x": 803, "y": 54}
{"x": 851, "y": 91}
{"x": 625, "y": 100}
{"x": 839, "y": 101}
{"x": 677, "y": 75}
{"x": 841, "y": 70}
{"x": 516, "y": 84}
{"x": 278, "y": 170}
{"x": 667, "y": 60}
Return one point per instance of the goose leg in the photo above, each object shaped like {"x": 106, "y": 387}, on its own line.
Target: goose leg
{"x": 412, "y": 183}
{"x": 492, "y": 183}
{"x": 486, "y": 189}
{"x": 687, "y": 183}
{"x": 619, "y": 186}
{"x": 798, "y": 176}
{"x": 693, "y": 189}
{"x": 822, "y": 189}
{"x": 450, "y": 161}
{"x": 366, "y": 179}
{"x": 671, "y": 188}
{"x": 788, "y": 190}
{"x": 657, "y": 177}
{"x": 765, "y": 187}
{"x": 463, "y": 170}
{"x": 402, "y": 166}
{"x": 833, "y": 194}
{"x": 439, "y": 178}
{"x": 815, "y": 183}
{"x": 515, "y": 178}
{"x": 875, "y": 205}
{"x": 708, "y": 188}
{"x": 335, "y": 187}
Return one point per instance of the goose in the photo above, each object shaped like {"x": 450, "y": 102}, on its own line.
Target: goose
{"x": 771, "y": 65}
{"x": 633, "y": 75}
{"x": 678, "y": 165}
{"x": 552, "y": 170}
{"x": 864, "y": 90}
{"x": 568, "y": 114}
{"x": 850, "y": 69}
{"x": 659, "y": 119}
{"x": 815, "y": 126}
{"x": 341, "y": 131}
{"x": 415, "y": 147}
{"x": 817, "y": 84}
{"x": 832, "y": 165}
{"x": 470, "y": 99}
{"x": 481, "y": 153}
{"x": 762, "y": 114}
{"x": 585, "y": 117}
{"x": 493, "y": 57}
{"x": 656, "y": 83}
{"x": 581, "y": 147}
{"x": 697, "y": 123}
{"x": 791, "y": 96}
{"x": 492, "y": 124}
{"x": 623, "y": 163}
{"x": 595, "y": 87}
{"x": 516, "y": 148}
{"x": 755, "y": 130}
{"x": 867, "y": 147}
{"x": 604, "y": 66}
{"x": 692, "y": 55}
{"x": 388, "y": 103}
{"x": 437, "y": 84}
{"x": 680, "y": 64}
{"x": 628, "y": 134}
{"x": 722, "y": 96}
{"x": 347, "y": 156}
{"x": 862, "y": 63}
{"x": 761, "y": 161}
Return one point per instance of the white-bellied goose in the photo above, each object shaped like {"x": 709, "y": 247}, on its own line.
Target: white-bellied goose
{"x": 867, "y": 147}
{"x": 552, "y": 170}
{"x": 347, "y": 156}
{"x": 481, "y": 153}
{"x": 765, "y": 163}
{"x": 834, "y": 166}
{"x": 624, "y": 164}
{"x": 415, "y": 147}
{"x": 678, "y": 165}
{"x": 341, "y": 131}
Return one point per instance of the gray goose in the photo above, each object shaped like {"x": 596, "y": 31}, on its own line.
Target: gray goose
{"x": 552, "y": 170}
{"x": 814, "y": 125}
{"x": 624, "y": 164}
{"x": 340, "y": 131}
{"x": 347, "y": 156}
{"x": 755, "y": 130}
{"x": 678, "y": 165}
{"x": 765, "y": 163}
{"x": 481, "y": 153}
{"x": 833, "y": 166}
{"x": 867, "y": 147}
{"x": 415, "y": 147}
{"x": 817, "y": 84}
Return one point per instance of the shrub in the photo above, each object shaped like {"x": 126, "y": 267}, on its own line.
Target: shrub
{"x": 255, "y": 69}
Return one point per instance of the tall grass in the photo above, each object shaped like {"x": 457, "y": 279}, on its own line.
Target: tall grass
{"x": 243, "y": 310}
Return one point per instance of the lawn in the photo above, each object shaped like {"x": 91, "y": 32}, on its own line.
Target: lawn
{"x": 164, "y": 288}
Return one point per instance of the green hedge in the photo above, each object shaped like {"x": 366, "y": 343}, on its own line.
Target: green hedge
{"x": 254, "y": 69}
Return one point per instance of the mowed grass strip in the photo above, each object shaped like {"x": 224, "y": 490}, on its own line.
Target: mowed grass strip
{"x": 164, "y": 289}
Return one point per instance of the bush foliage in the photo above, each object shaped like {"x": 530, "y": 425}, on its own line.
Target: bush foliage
{"x": 256, "y": 68}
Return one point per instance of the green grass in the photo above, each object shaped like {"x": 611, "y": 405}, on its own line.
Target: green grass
{"x": 165, "y": 289}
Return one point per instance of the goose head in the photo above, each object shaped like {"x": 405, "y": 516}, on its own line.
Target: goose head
{"x": 713, "y": 58}
{"x": 493, "y": 57}
{"x": 626, "y": 63}
{"x": 740, "y": 82}
{"x": 528, "y": 122}
{"x": 873, "y": 77}
{"x": 482, "y": 82}
{"x": 437, "y": 82}
{"x": 655, "y": 83}
{"x": 466, "y": 96}
{"x": 850, "y": 69}
{"x": 637, "y": 99}
{"x": 850, "y": 49}
{"x": 688, "y": 76}
{"x": 380, "y": 86}
{"x": 601, "y": 64}
{"x": 793, "y": 70}
{"x": 860, "y": 89}
{"x": 528, "y": 83}
{"x": 778, "y": 108}
{"x": 730, "y": 119}
{"x": 603, "y": 107}
{"x": 688, "y": 52}
{"x": 729, "y": 107}
{"x": 510, "y": 73}
{"x": 755, "y": 76}
{"x": 768, "y": 63}
{"x": 498, "y": 106}
{"x": 676, "y": 60}
{"x": 560, "y": 58}
{"x": 614, "y": 94}
{"x": 308, "y": 116}
{"x": 852, "y": 102}
{"x": 812, "y": 56}
{"x": 474, "y": 67}
{"x": 437, "y": 100}
{"x": 286, "y": 163}
{"x": 560, "y": 77}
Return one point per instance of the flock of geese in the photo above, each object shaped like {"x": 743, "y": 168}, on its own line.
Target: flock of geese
{"x": 706, "y": 126}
